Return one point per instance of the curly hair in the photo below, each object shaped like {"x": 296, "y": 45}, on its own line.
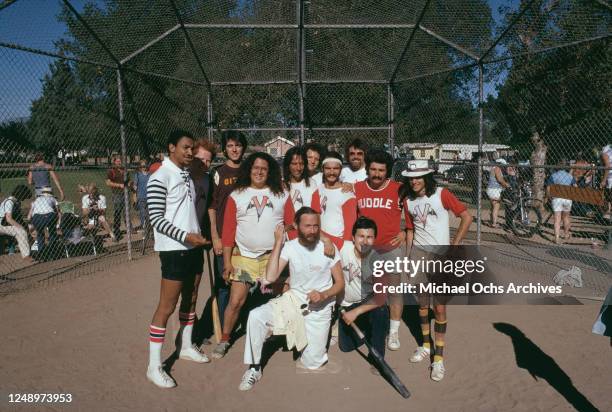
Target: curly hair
{"x": 379, "y": 156}
{"x": 206, "y": 145}
{"x": 274, "y": 175}
{"x": 291, "y": 153}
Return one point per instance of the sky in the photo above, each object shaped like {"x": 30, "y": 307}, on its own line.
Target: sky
{"x": 33, "y": 23}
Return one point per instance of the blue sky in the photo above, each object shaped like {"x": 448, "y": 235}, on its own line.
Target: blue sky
{"x": 33, "y": 23}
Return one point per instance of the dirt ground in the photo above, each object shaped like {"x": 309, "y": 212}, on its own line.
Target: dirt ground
{"x": 88, "y": 337}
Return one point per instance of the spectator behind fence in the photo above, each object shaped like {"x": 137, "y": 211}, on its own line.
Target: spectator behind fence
{"x": 94, "y": 210}
{"x": 40, "y": 175}
{"x": 116, "y": 179}
{"x": 141, "y": 178}
{"x": 11, "y": 220}
{"x": 561, "y": 207}
{"x": 44, "y": 215}
{"x": 606, "y": 181}
{"x": 497, "y": 183}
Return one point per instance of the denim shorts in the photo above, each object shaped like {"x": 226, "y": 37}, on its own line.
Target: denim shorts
{"x": 181, "y": 265}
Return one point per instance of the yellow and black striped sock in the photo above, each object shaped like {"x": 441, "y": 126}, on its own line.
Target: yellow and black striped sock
{"x": 440, "y": 330}
{"x": 424, "y": 315}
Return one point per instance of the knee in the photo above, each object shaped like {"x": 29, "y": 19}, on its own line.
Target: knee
{"x": 165, "y": 309}
{"x": 440, "y": 311}
{"x": 235, "y": 304}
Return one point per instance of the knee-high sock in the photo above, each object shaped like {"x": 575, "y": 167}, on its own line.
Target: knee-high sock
{"x": 156, "y": 341}
{"x": 187, "y": 320}
{"x": 440, "y": 330}
{"x": 424, "y": 316}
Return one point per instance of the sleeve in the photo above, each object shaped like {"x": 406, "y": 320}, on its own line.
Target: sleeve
{"x": 211, "y": 189}
{"x": 156, "y": 203}
{"x": 407, "y": 216}
{"x": 336, "y": 257}
{"x": 315, "y": 203}
{"x": 289, "y": 211}
{"x": 450, "y": 202}
{"x": 349, "y": 214}
{"x": 84, "y": 202}
{"x": 228, "y": 238}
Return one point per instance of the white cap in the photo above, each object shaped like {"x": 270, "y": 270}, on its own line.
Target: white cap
{"x": 417, "y": 168}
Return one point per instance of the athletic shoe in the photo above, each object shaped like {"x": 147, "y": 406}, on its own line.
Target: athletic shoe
{"x": 194, "y": 354}
{"x": 437, "y": 371}
{"x": 220, "y": 350}
{"x": 393, "y": 342}
{"x": 250, "y": 378}
{"x": 333, "y": 341}
{"x": 419, "y": 354}
{"x": 159, "y": 377}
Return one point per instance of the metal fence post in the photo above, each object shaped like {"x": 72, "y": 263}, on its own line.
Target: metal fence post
{"x": 391, "y": 120}
{"x": 126, "y": 195}
{"x": 480, "y": 144}
{"x": 209, "y": 117}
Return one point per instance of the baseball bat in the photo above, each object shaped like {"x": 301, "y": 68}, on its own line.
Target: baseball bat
{"x": 214, "y": 306}
{"x": 384, "y": 367}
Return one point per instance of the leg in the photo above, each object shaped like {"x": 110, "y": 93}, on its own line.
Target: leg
{"x": 118, "y": 206}
{"x": 424, "y": 351}
{"x": 102, "y": 220}
{"x": 39, "y": 224}
{"x": 259, "y": 328}
{"x": 347, "y": 339}
{"x": 20, "y": 236}
{"x": 495, "y": 206}
{"x": 317, "y": 329}
{"x": 566, "y": 224}
{"x": 187, "y": 315}
{"x": 557, "y": 226}
{"x": 221, "y": 288}
{"x": 378, "y": 320}
{"x": 238, "y": 296}
{"x": 437, "y": 368}
{"x": 396, "y": 307}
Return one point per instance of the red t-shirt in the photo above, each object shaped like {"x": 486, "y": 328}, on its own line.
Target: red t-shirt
{"x": 383, "y": 207}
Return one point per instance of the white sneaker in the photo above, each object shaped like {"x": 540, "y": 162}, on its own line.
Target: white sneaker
{"x": 250, "y": 378}
{"x": 160, "y": 378}
{"x": 437, "y": 371}
{"x": 419, "y": 354}
{"x": 393, "y": 342}
{"x": 194, "y": 354}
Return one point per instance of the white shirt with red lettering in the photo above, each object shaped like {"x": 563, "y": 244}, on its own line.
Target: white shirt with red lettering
{"x": 301, "y": 195}
{"x": 338, "y": 213}
{"x": 251, "y": 215}
{"x": 382, "y": 206}
{"x": 428, "y": 217}
{"x": 349, "y": 176}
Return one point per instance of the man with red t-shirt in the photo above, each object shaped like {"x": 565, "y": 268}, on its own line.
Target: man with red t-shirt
{"x": 337, "y": 207}
{"x": 378, "y": 199}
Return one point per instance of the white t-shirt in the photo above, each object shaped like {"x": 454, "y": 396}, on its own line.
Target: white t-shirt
{"x": 86, "y": 202}
{"x": 607, "y": 150}
{"x": 7, "y": 206}
{"x": 349, "y": 176}
{"x": 43, "y": 205}
{"x": 301, "y": 195}
{"x": 338, "y": 210}
{"x": 310, "y": 269}
{"x": 357, "y": 286}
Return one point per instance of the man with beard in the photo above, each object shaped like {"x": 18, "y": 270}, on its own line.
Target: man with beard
{"x": 355, "y": 171}
{"x": 170, "y": 199}
{"x": 233, "y": 145}
{"x": 314, "y": 154}
{"x": 378, "y": 199}
{"x": 338, "y": 208}
{"x": 303, "y": 313}
{"x": 257, "y": 203}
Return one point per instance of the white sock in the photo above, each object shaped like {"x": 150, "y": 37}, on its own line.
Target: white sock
{"x": 394, "y": 326}
{"x": 187, "y": 320}
{"x": 156, "y": 341}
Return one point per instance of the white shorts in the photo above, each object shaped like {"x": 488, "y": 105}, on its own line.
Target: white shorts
{"x": 494, "y": 193}
{"x": 561, "y": 205}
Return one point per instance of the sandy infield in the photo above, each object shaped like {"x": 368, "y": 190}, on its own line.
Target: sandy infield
{"x": 88, "y": 337}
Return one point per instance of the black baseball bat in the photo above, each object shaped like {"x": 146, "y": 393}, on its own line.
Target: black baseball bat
{"x": 383, "y": 366}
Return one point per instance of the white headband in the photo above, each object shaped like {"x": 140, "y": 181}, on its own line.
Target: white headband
{"x": 330, "y": 160}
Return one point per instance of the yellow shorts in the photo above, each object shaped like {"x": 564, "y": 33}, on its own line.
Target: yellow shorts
{"x": 248, "y": 270}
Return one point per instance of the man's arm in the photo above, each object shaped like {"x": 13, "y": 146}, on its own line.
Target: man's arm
{"x": 214, "y": 235}
{"x": 338, "y": 286}
{"x": 350, "y": 316}
{"x": 275, "y": 264}
{"x": 11, "y": 221}
{"x": 57, "y": 183}
{"x": 464, "y": 226}
{"x": 30, "y": 177}
{"x": 228, "y": 237}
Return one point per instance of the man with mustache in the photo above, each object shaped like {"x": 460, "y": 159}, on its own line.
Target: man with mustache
{"x": 355, "y": 171}
{"x": 337, "y": 207}
{"x": 306, "y": 308}
{"x": 172, "y": 211}
{"x": 378, "y": 199}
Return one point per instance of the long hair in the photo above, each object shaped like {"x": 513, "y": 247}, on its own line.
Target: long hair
{"x": 295, "y": 151}
{"x": 274, "y": 176}
{"x": 405, "y": 190}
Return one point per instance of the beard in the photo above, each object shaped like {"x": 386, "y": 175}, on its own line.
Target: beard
{"x": 309, "y": 241}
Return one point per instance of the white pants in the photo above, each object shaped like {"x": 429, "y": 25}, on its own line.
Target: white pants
{"x": 259, "y": 328}
{"x": 20, "y": 235}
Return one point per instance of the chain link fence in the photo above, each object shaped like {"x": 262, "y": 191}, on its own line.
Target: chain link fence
{"x": 462, "y": 84}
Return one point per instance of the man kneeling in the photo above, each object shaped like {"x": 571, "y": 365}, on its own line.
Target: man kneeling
{"x": 303, "y": 313}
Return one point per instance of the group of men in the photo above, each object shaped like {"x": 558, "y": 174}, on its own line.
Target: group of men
{"x": 306, "y": 229}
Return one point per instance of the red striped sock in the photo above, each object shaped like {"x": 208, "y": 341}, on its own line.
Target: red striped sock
{"x": 156, "y": 334}
{"x": 187, "y": 319}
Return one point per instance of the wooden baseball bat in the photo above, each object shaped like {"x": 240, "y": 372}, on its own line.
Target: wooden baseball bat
{"x": 383, "y": 366}
{"x": 214, "y": 306}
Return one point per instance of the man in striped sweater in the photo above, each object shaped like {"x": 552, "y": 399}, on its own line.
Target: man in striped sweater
{"x": 172, "y": 212}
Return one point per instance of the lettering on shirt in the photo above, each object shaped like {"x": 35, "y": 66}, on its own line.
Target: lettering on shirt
{"x": 260, "y": 206}
{"x": 377, "y": 202}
